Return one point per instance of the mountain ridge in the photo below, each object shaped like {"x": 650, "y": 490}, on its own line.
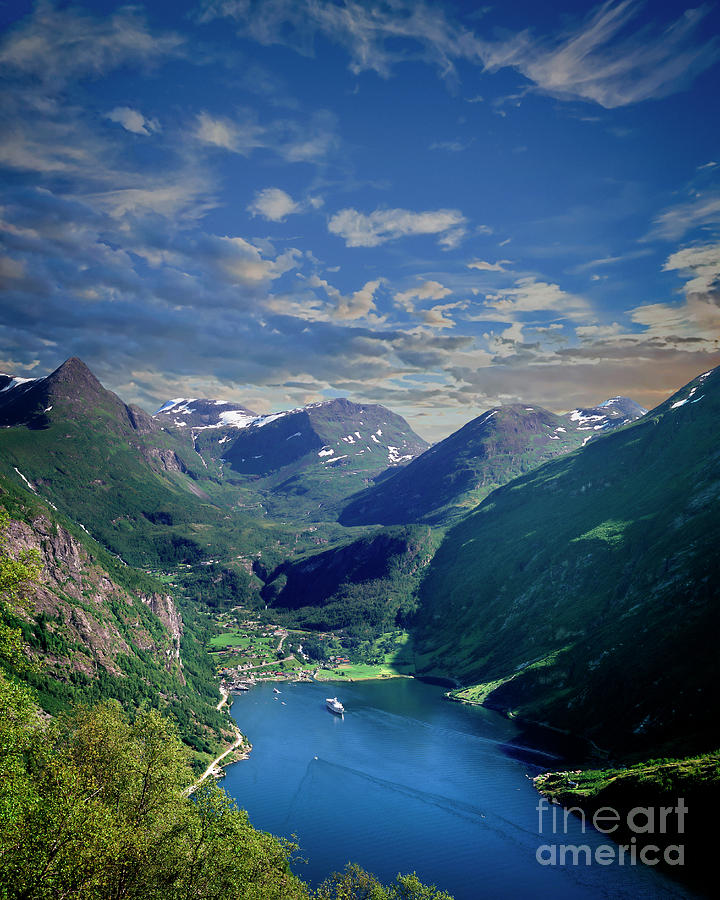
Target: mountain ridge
{"x": 458, "y": 472}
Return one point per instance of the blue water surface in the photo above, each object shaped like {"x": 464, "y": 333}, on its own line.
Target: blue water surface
{"x": 407, "y": 781}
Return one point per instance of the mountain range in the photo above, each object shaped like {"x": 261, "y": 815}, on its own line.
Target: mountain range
{"x": 559, "y": 567}
{"x": 502, "y": 443}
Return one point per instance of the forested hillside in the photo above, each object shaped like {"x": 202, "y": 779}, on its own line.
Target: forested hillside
{"x": 586, "y": 592}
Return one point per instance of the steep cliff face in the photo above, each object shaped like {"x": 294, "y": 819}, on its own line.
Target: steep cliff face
{"x": 80, "y": 618}
{"x": 166, "y": 460}
{"x": 165, "y": 609}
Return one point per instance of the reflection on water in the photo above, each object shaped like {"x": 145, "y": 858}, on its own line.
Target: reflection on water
{"x": 409, "y": 782}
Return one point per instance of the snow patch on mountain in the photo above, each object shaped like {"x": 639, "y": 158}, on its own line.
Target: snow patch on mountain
{"x": 577, "y": 416}
{"x": 262, "y": 421}
{"x": 395, "y": 456}
{"x": 16, "y": 382}
{"x": 234, "y": 418}
{"x": 31, "y": 486}
{"x": 171, "y": 403}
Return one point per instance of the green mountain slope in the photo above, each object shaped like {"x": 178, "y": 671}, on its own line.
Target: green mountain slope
{"x": 137, "y": 486}
{"x": 367, "y": 585}
{"x": 107, "y": 465}
{"x": 458, "y": 472}
{"x": 93, "y": 628}
{"x": 586, "y": 593}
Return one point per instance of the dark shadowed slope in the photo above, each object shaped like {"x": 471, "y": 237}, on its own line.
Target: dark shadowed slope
{"x": 456, "y": 473}
{"x": 586, "y": 592}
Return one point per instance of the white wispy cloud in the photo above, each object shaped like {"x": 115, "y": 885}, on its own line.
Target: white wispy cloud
{"x": 701, "y": 263}
{"x": 602, "y": 59}
{"x": 428, "y": 290}
{"x": 370, "y": 34}
{"x": 186, "y": 194}
{"x": 358, "y": 305}
{"x": 456, "y": 146}
{"x": 437, "y": 316}
{"x": 133, "y": 120}
{"x": 451, "y": 239}
{"x": 593, "y": 333}
{"x": 243, "y": 263}
{"x": 602, "y": 62}
{"x": 678, "y": 220}
{"x": 274, "y": 204}
{"x": 484, "y": 266}
{"x": 227, "y": 134}
{"x": 531, "y": 295}
{"x": 54, "y": 45}
{"x": 326, "y": 303}
{"x": 309, "y": 140}
{"x": 372, "y": 229}
{"x": 611, "y": 260}
{"x": 42, "y": 59}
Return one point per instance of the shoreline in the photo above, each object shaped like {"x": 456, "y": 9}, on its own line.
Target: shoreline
{"x": 340, "y": 679}
{"x": 215, "y": 770}
{"x": 593, "y": 753}
{"x": 240, "y": 747}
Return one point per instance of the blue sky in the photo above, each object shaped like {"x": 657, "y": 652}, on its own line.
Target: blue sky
{"x": 438, "y": 206}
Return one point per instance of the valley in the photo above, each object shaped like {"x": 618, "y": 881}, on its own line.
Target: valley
{"x": 561, "y": 569}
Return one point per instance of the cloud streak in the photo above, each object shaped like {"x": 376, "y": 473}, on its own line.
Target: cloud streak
{"x": 604, "y": 61}
{"x": 530, "y": 295}
{"x": 54, "y": 46}
{"x": 372, "y": 229}
{"x": 675, "y": 222}
{"x": 601, "y": 60}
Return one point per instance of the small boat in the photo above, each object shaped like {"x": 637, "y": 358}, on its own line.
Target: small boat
{"x": 276, "y": 691}
{"x": 334, "y": 705}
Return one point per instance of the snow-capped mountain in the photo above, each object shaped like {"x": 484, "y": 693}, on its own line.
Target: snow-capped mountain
{"x": 203, "y": 413}
{"x": 397, "y": 447}
{"x": 326, "y": 435}
{"x": 613, "y": 413}
{"x": 12, "y": 388}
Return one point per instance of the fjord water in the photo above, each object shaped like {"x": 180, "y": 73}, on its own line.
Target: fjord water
{"x": 408, "y": 781}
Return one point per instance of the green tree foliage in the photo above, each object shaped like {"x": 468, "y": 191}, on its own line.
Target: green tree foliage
{"x": 355, "y": 883}
{"x": 219, "y": 587}
{"x": 94, "y": 806}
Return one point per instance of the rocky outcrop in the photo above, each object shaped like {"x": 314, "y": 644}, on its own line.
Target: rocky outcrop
{"x": 166, "y": 460}
{"x": 139, "y": 420}
{"x": 165, "y": 609}
{"x": 81, "y": 617}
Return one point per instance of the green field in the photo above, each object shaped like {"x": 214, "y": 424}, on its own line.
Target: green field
{"x": 397, "y": 661}
{"x": 359, "y": 672}
{"x": 243, "y": 640}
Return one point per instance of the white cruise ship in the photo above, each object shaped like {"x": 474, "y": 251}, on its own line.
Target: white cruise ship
{"x": 334, "y": 705}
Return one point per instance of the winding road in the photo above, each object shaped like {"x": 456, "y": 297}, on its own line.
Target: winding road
{"x": 216, "y": 762}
